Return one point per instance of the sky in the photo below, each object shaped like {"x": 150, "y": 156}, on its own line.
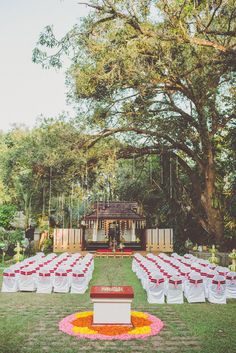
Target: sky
{"x": 26, "y": 89}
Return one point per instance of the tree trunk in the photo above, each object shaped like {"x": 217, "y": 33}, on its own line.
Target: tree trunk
{"x": 27, "y": 200}
{"x": 211, "y": 202}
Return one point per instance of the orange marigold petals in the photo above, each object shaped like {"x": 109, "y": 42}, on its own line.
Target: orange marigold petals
{"x": 81, "y": 326}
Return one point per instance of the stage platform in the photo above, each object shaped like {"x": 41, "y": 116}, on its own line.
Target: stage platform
{"x": 97, "y": 246}
{"x": 113, "y": 254}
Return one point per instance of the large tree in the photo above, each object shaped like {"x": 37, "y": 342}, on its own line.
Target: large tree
{"x": 162, "y": 73}
{"x": 45, "y": 172}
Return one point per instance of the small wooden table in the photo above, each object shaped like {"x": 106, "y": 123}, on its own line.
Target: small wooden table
{"x": 111, "y": 304}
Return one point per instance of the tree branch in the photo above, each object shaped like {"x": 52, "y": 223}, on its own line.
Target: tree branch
{"x": 112, "y": 10}
{"x": 175, "y": 144}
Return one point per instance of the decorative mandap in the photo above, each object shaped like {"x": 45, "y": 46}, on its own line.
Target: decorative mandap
{"x": 114, "y": 223}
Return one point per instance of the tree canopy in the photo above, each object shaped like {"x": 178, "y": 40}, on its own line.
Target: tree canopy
{"x": 161, "y": 74}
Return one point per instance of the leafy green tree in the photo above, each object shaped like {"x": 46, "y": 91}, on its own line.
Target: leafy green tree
{"x": 7, "y": 213}
{"x": 162, "y": 75}
{"x": 47, "y": 173}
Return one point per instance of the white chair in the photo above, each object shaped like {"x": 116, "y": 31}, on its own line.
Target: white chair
{"x": 27, "y": 280}
{"x": 44, "y": 282}
{"x": 175, "y": 291}
{"x": 207, "y": 280}
{"x": 156, "y": 290}
{"x": 217, "y": 290}
{"x": 222, "y": 271}
{"x": 194, "y": 290}
{"x": 61, "y": 282}
{"x": 78, "y": 281}
{"x": 231, "y": 285}
{"x": 145, "y": 276}
{"x": 9, "y": 283}
{"x": 184, "y": 273}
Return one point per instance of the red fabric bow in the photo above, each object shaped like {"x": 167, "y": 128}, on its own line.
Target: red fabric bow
{"x": 175, "y": 282}
{"x": 27, "y": 273}
{"x": 61, "y": 274}
{"x": 195, "y": 281}
{"x": 157, "y": 280}
{"x": 9, "y": 274}
{"x": 41, "y": 274}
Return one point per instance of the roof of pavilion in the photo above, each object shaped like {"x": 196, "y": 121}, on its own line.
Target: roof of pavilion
{"x": 115, "y": 210}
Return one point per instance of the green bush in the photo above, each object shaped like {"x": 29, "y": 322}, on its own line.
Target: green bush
{"x": 10, "y": 238}
{"x": 47, "y": 246}
{"x": 7, "y": 213}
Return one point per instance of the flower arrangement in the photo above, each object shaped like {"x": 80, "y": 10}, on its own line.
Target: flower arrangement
{"x": 81, "y": 325}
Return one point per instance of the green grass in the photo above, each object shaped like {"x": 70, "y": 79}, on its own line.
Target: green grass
{"x": 29, "y": 321}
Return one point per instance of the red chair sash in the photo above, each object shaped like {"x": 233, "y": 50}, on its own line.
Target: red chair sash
{"x": 58, "y": 274}
{"x": 175, "y": 282}
{"x": 184, "y": 274}
{"x": 231, "y": 278}
{"x": 218, "y": 282}
{"x": 9, "y": 274}
{"x": 195, "y": 281}
{"x": 44, "y": 274}
{"x": 157, "y": 280}
{"x": 210, "y": 275}
{"x": 27, "y": 273}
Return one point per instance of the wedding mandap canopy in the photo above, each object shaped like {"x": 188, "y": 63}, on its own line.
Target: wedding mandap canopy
{"x": 122, "y": 222}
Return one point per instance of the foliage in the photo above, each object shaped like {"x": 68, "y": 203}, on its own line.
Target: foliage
{"x": 43, "y": 224}
{"x": 49, "y": 176}
{"x": 10, "y": 238}
{"x": 7, "y": 212}
{"x": 15, "y": 236}
{"x": 138, "y": 68}
{"x": 48, "y": 246}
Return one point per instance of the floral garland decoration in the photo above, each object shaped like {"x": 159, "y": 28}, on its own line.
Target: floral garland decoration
{"x": 80, "y": 325}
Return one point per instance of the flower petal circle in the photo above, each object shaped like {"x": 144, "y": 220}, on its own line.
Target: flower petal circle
{"x": 80, "y": 325}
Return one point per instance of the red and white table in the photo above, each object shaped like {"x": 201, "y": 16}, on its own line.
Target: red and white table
{"x": 111, "y": 304}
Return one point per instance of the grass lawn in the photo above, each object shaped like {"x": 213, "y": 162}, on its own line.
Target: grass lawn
{"x": 29, "y": 321}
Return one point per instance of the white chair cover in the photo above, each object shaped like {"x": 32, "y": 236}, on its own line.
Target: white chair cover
{"x": 44, "y": 282}
{"x": 194, "y": 290}
{"x": 78, "y": 281}
{"x": 9, "y": 283}
{"x": 231, "y": 285}
{"x": 184, "y": 273}
{"x": 27, "y": 280}
{"x": 210, "y": 274}
{"x": 61, "y": 281}
{"x": 217, "y": 290}
{"x": 222, "y": 270}
{"x": 175, "y": 291}
{"x": 156, "y": 290}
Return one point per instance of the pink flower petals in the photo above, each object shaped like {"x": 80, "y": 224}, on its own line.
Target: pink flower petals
{"x": 138, "y": 332}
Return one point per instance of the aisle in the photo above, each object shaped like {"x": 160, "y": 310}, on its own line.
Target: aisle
{"x": 118, "y": 272}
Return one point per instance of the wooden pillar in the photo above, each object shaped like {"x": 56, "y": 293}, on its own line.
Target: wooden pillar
{"x": 133, "y": 237}
{"x": 95, "y": 230}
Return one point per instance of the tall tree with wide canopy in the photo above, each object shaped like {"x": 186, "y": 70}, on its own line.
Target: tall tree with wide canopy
{"x": 162, "y": 73}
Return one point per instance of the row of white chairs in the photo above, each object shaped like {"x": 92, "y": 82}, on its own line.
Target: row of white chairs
{"x": 169, "y": 278}
{"x": 46, "y": 274}
{"x": 207, "y": 271}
